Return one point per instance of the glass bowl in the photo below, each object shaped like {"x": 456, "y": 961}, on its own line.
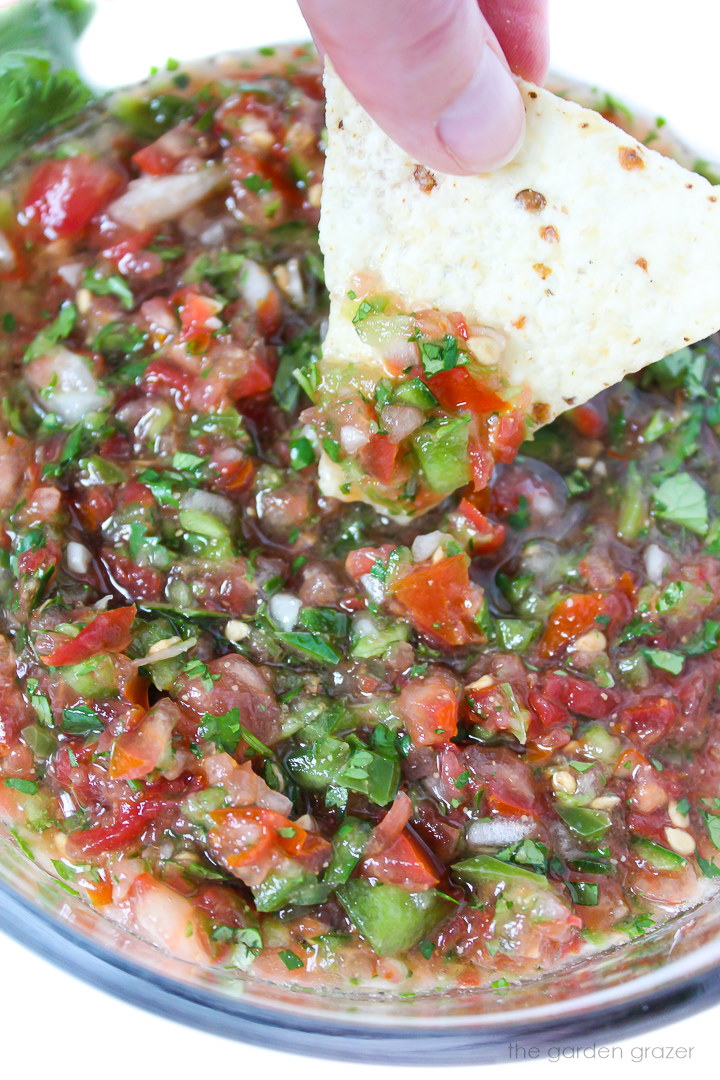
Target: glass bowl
{"x": 661, "y": 977}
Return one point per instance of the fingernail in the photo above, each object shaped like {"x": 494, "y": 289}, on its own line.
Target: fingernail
{"x": 484, "y": 127}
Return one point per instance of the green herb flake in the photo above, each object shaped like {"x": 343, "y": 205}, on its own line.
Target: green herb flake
{"x": 682, "y": 500}
{"x": 290, "y": 959}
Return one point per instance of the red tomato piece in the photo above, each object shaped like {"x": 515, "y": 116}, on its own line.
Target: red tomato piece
{"x": 256, "y": 380}
{"x": 458, "y": 390}
{"x": 435, "y": 596}
{"x": 127, "y": 824}
{"x": 429, "y": 709}
{"x": 589, "y": 420}
{"x": 405, "y": 863}
{"x": 580, "y": 696}
{"x": 362, "y": 560}
{"x": 548, "y": 712}
{"x": 573, "y": 616}
{"x": 378, "y": 458}
{"x": 109, "y": 631}
{"x": 490, "y": 534}
{"x": 66, "y": 193}
{"x": 650, "y": 720}
{"x": 162, "y": 374}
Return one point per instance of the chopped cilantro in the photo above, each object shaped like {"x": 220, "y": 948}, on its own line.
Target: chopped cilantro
{"x": 25, "y": 787}
{"x": 81, "y": 720}
{"x": 290, "y": 959}
{"x": 665, "y": 659}
{"x": 683, "y": 500}
{"x": 442, "y": 355}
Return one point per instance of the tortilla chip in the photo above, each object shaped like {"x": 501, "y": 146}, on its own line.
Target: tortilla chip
{"x": 591, "y": 253}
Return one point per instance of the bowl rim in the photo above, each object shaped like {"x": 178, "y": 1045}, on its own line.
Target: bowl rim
{"x": 667, "y": 994}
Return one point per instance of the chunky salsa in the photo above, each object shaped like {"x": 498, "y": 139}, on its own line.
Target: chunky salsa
{"x": 268, "y": 730}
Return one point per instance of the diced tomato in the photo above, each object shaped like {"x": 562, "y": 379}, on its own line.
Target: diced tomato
{"x": 269, "y": 314}
{"x": 496, "y": 708}
{"x": 458, "y": 390}
{"x": 124, "y": 252}
{"x": 109, "y": 631}
{"x": 405, "y": 862}
{"x": 549, "y": 713}
{"x": 439, "y": 599}
{"x": 378, "y": 458}
{"x": 66, "y": 193}
{"x": 649, "y": 720}
{"x": 196, "y": 319}
{"x": 138, "y": 752}
{"x": 41, "y": 559}
{"x": 490, "y": 534}
{"x": 137, "y": 582}
{"x": 233, "y": 475}
{"x": 589, "y": 420}
{"x": 580, "y": 695}
{"x": 428, "y": 707}
{"x": 126, "y": 825}
{"x": 573, "y": 616}
{"x": 256, "y": 380}
{"x": 506, "y": 778}
{"x": 361, "y": 561}
{"x": 94, "y": 505}
{"x": 272, "y": 831}
{"x": 169, "y": 920}
{"x": 136, "y": 494}
{"x": 481, "y": 464}
{"x": 162, "y": 374}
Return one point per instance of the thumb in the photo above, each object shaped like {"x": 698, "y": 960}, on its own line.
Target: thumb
{"x": 431, "y": 74}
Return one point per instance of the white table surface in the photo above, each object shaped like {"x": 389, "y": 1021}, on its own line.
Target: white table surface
{"x": 659, "y": 56}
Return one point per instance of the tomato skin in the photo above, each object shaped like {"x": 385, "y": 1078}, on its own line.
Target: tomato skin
{"x": 129, "y": 821}
{"x": 435, "y": 597}
{"x": 162, "y": 374}
{"x": 378, "y": 458}
{"x": 548, "y": 712}
{"x": 66, "y": 193}
{"x": 109, "y": 631}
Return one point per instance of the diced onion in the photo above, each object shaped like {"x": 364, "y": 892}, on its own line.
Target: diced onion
{"x": 425, "y": 545}
{"x": 373, "y": 587}
{"x": 7, "y": 255}
{"x": 656, "y": 562}
{"x": 353, "y": 439}
{"x": 498, "y": 831}
{"x": 399, "y": 421}
{"x": 255, "y": 284}
{"x": 78, "y": 558}
{"x": 66, "y": 385}
{"x": 153, "y": 199}
{"x": 207, "y": 502}
{"x": 166, "y": 654}
{"x": 284, "y": 610}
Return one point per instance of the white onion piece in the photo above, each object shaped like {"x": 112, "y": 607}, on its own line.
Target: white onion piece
{"x": 255, "y": 284}
{"x": 66, "y": 385}
{"x": 153, "y": 199}
{"x": 425, "y": 545}
{"x": 78, "y": 558}
{"x": 399, "y": 421}
{"x": 166, "y": 654}
{"x": 7, "y": 255}
{"x": 373, "y": 587}
{"x": 353, "y": 439}
{"x": 208, "y": 503}
{"x": 71, "y": 273}
{"x": 294, "y": 286}
{"x": 284, "y": 610}
{"x": 656, "y": 562}
{"x": 498, "y": 831}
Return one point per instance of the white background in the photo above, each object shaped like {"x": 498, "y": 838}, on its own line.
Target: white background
{"x": 661, "y": 56}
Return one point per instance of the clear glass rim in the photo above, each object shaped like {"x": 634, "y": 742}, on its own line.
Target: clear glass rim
{"x": 669, "y": 993}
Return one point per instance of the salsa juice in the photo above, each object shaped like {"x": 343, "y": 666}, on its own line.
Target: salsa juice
{"x": 271, "y": 731}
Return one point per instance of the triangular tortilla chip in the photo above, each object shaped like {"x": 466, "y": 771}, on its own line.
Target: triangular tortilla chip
{"x": 592, "y": 254}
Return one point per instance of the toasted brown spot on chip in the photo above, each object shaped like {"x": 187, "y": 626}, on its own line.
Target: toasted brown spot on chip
{"x": 642, "y": 263}
{"x": 630, "y": 158}
{"x": 519, "y": 323}
{"x": 341, "y": 125}
{"x": 585, "y": 124}
{"x": 569, "y": 400}
{"x": 543, "y": 270}
{"x": 530, "y": 200}
{"x": 532, "y": 94}
{"x": 424, "y": 179}
{"x": 550, "y": 234}
{"x": 712, "y": 198}
{"x": 636, "y": 341}
{"x": 541, "y": 412}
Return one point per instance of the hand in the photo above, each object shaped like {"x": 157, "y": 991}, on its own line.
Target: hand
{"x": 435, "y": 74}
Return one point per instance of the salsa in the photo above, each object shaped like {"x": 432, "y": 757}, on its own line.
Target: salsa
{"x": 269, "y": 730}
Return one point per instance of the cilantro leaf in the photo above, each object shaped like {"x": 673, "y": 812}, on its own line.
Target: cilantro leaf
{"x": 683, "y": 500}
{"x": 61, "y": 326}
{"x": 441, "y": 355}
